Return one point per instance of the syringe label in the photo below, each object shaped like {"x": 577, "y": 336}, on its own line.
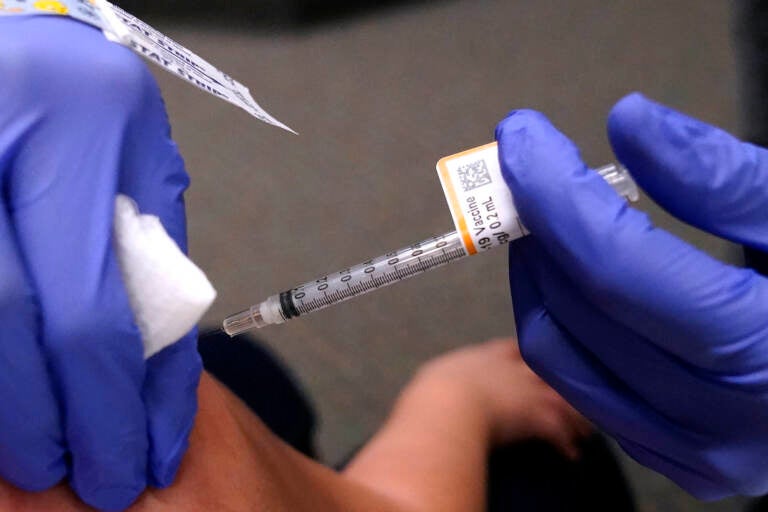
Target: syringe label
{"x": 480, "y": 202}
{"x": 125, "y": 29}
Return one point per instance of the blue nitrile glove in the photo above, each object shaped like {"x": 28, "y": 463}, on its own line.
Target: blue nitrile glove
{"x": 659, "y": 344}
{"x": 81, "y": 120}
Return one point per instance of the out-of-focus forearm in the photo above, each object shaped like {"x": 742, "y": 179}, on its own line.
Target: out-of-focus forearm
{"x": 432, "y": 452}
{"x": 430, "y": 456}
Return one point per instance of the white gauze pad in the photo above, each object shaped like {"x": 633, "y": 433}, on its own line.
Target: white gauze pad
{"x": 167, "y": 292}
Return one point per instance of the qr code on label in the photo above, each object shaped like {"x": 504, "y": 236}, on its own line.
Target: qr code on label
{"x": 474, "y": 175}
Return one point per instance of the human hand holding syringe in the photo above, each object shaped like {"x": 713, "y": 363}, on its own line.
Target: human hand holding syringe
{"x": 481, "y": 225}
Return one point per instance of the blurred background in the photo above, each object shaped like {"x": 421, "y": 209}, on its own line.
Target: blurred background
{"x": 379, "y": 91}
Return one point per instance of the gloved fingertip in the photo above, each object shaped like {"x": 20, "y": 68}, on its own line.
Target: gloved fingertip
{"x": 629, "y": 118}
{"x": 36, "y": 481}
{"x": 645, "y": 134}
{"x": 531, "y": 148}
{"x": 515, "y": 119}
{"x": 111, "y": 499}
{"x": 164, "y": 472}
{"x": 542, "y": 168}
{"x": 631, "y": 104}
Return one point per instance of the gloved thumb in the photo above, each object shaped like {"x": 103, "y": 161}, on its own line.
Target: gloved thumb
{"x": 553, "y": 188}
{"x": 697, "y": 172}
{"x": 628, "y": 268}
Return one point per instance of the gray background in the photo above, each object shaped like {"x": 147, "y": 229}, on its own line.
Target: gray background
{"x": 378, "y": 98}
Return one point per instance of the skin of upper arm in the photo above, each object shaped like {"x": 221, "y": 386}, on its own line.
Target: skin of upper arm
{"x": 234, "y": 464}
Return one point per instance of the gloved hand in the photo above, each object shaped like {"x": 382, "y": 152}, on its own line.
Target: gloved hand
{"x": 81, "y": 120}
{"x": 659, "y": 344}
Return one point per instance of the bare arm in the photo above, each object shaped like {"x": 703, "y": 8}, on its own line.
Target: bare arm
{"x": 429, "y": 456}
{"x": 432, "y": 452}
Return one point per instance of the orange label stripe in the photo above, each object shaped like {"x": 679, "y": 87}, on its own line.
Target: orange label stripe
{"x": 453, "y": 201}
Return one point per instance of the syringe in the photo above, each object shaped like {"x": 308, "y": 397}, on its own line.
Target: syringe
{"x": 379, "y": 272}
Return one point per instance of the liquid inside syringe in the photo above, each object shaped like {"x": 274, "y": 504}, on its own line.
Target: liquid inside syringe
{"x": 350, "y": 282}
{"x": 385, "y": 270}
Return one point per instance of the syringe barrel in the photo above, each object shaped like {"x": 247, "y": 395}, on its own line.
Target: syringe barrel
{"x": 379, "y": 272}
{"x": 371, "y": 275}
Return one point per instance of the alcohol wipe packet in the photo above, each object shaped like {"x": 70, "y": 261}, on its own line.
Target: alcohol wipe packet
{"x": 123, "y": 28}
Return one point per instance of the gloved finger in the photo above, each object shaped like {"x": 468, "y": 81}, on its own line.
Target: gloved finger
{"x": 695, "y": 399}
{"x": 553, "y": 354}
{"x": 698, "y": 172}
{"x": 154, "y": 176}
{"x": 94, "y": 350}
{"x": 591, "y": 387}
{"x": 32, "y": 447}
{"x": 652, "y": 282}
{"x": 85, "y": 91}
{"x": 170, "y": 395}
